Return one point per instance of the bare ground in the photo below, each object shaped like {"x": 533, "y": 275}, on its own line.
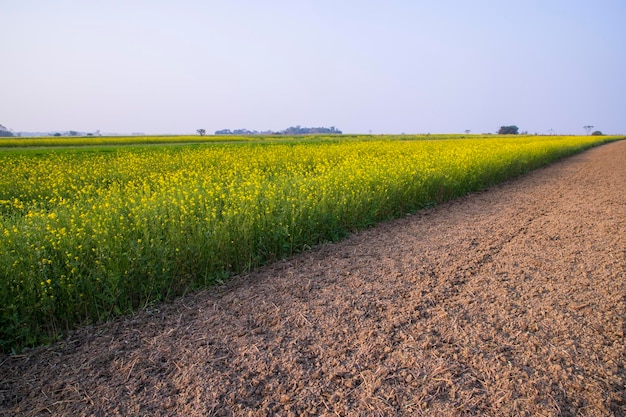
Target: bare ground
{"x": 507, "y": 302}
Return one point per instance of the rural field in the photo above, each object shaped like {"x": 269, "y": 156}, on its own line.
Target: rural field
{"x": 506, "y": 301}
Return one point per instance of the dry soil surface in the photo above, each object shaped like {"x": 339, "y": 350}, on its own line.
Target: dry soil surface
{"x": 511, "y": 301}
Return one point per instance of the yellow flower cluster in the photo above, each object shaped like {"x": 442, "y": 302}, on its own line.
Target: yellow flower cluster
{"x": 94, "y": 232}
{"x": 11, "y": 142}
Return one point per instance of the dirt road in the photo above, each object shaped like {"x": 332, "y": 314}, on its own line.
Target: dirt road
{"x": 507, "y": 302}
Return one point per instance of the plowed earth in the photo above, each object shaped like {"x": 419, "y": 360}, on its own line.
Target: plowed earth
{"x": 511, "y": 301}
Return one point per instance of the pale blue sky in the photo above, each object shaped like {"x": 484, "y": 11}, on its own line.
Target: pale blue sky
{"x": 390, "y": 66}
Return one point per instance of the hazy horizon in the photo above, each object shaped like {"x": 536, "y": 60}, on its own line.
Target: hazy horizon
{"x": 163, "y": 67}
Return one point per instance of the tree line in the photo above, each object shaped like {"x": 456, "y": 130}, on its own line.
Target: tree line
{"x": 4, "y": 132}
{"x": 293, "y": 130}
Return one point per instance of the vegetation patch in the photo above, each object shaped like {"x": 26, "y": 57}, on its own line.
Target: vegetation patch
{"x": 92, "y": 233}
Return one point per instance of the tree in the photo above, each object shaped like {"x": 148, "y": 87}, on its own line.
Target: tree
{"x": 597, "y": 133}
{"x": 201, "y": 132}
{"x": 508, "y": 130}
{"x": 293, "y": 130}
{"x": 4, "y": 132}
{"x": 588, "y": 128}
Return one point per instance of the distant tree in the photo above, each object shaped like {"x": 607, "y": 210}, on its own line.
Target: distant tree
{"x": 73, "y": 133}
{"x": 508, "y": 130}
{"x": 4, "y": 132}
{"x": 57, "y": 134}
{"x": 201, "y": 132}
{"x": 467, "y": 132}
{"x": 293, "y": 130}
{"x": 299, "y": 130}
{"x": 597, "y": 133}
{"x": 588, "y": 128}
{"x": 244, "y": 132}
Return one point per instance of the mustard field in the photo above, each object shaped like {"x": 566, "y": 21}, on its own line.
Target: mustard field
{"x": 89, "y": 233}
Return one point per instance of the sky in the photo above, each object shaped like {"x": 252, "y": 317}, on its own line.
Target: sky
{"x": 393, "y": 66}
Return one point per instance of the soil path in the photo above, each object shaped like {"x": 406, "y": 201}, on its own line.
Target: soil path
{"x": 510, "y": 301}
